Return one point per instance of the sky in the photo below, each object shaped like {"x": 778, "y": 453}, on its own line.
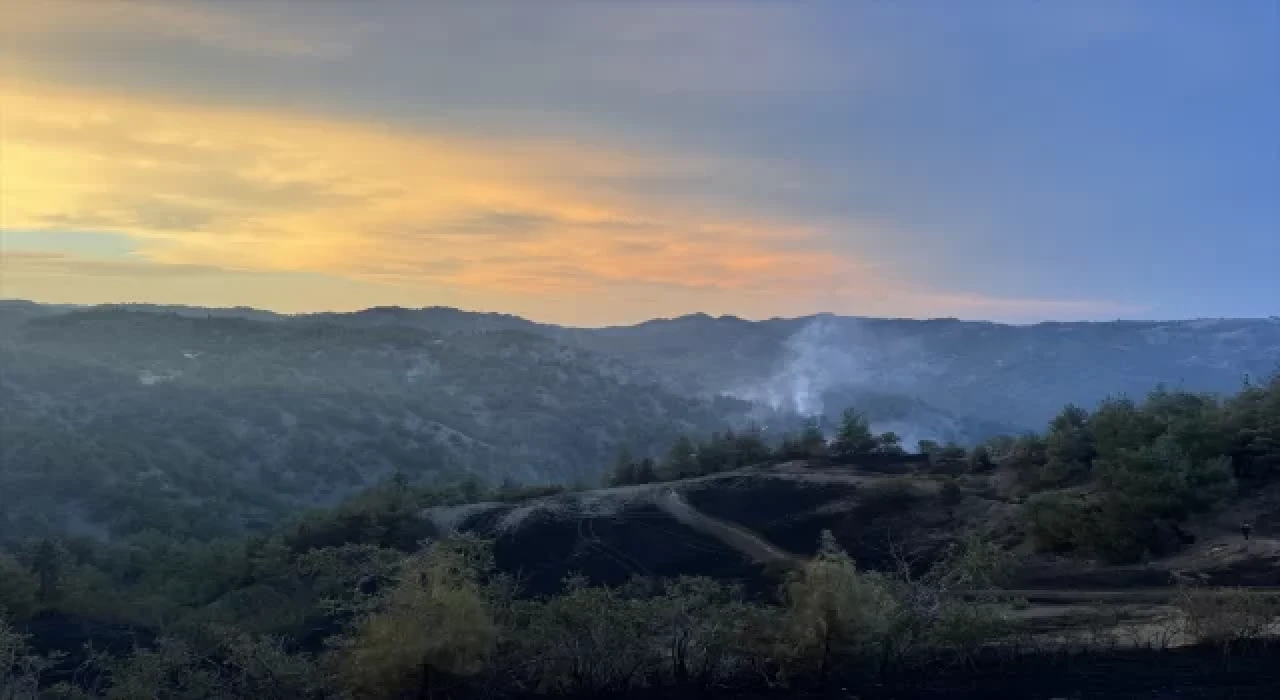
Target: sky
{"x": 605, "y": 162}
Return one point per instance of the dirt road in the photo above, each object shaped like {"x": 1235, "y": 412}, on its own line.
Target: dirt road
{"x": 739, "y": 538}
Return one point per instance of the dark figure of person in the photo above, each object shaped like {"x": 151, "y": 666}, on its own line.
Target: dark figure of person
{"x": 1245, "y": 529}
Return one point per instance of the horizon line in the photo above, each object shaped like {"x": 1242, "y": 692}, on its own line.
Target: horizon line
{"x": 656, "y": 319}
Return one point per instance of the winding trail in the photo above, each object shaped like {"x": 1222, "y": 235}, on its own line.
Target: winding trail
{"x": 739, "y": 538}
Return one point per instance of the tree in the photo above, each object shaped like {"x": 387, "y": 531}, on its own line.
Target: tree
{"x": 238, "y": 666}
{"x": 1026, "y": 457}
{"x": 1251, "y": 424}
{"x": 436, "y": 620}
{"x": 1140, "y": 497}
{"x": 682, "y": 459}
{"x": 812, "y": 443}
{"x": 889, "y": 444}
{"x": 854, "y": 437}
{"x": 835, "y": 609}
{"x": 624, "y": 469}
{"x": 589, "y": 641}
{"x": 700, "y": 620}
{"x": 1120, "y": 424}
{"x": 623, "y": 473}
{"x": 751, "y": 447}
{"x": 1069, "y": 447}
{"x": 646, "y": 471}
{"x": 716, "y": 454}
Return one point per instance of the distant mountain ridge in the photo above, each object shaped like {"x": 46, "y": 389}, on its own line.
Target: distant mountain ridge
{"x": 245, "y": 415}
{"x": 1018, "y": 375}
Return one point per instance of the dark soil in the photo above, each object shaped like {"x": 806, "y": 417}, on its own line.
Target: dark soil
{"x": 758, "y": 502}
{"x": 640, "y": 542}
{"x": 788, "y": 514}
{"x": 1074, "y": 576}
{"x": 1191, "y": 674}
{"x": 1258, "y": 571}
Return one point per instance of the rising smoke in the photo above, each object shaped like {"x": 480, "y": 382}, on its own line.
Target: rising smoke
{"x": 835, "y": 363}
{"x": 819, "y": 357}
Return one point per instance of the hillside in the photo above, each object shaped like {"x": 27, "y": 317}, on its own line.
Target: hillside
{"x": 994, "y": 374}
{"x": 1113, "y": 535}
{"x": 138, "y": 419}
{"x": 747, "y": 525}
{"x": 121, "y": 417}
{"x": 1015, "y": 375}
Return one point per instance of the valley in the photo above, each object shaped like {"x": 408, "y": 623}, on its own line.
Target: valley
{"x": 226, "y": 420}
{"x": 286, "y": 502}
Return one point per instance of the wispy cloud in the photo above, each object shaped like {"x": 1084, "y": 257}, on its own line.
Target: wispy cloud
{"x": 283, "y": 192}
{"x": 42, "y": 263}
{"x": 263, "y": 28}
{"x": 609, "y": 161}
{"x": 206, "y": 190}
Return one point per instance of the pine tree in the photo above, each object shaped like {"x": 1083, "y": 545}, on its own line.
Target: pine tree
{"x": 854, "y": 437}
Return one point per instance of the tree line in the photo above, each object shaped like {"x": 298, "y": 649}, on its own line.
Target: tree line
{"x": 349, "y": 603}
{"x": 442, "y": 622}
{"x": 728, "y": 450}
{"x": 1116, "y": 483}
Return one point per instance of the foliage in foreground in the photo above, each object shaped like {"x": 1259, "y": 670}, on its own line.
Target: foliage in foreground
{"x": 442, "y": 623}
{"x": 1117, "y": 483}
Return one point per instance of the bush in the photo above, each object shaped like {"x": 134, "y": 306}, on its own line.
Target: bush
{"x": 238, "y": 666}
{"x": 1135, "y": 506}
{"x": 20, "y": 668}
{"x": 587, "y": 641}
{"x": 835, "y": 610}
{"x": 1228, "y": 617}
{"x": 437, "y": 621}
{"x": 1055, "y": 521}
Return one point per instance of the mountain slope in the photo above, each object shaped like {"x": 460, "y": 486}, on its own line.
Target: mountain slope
{"x": 233, "y": 417}
{"x": 1015, "y": 375}
{"x": 111, "y": 412}
{"x": 970, "y": 371}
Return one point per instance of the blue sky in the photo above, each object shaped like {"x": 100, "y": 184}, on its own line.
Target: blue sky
{"x": 601, "y": 162}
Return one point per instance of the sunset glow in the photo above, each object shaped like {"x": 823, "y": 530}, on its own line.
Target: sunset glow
{"x": 134, "y": 182}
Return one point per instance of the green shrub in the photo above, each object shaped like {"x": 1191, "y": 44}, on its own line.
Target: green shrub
{"x": 436, "y": 622}
{"x": 1227, "y": 617}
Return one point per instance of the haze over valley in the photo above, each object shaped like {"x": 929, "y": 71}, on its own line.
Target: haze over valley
{"x": 639, "y": 350}
{"x": 219, "y": 420}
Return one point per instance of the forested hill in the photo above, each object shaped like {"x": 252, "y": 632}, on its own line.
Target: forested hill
{"x": 118, "y": 418}
{"x": 1008, "y": 375}
{"x": 1019, "y": 375}
{"x": 158, "y": 420}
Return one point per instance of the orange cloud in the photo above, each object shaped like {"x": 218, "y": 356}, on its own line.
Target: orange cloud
{"x": 297, "y": 35}
{"x": 537, "y": 227}
{"x": 282, "y": 192}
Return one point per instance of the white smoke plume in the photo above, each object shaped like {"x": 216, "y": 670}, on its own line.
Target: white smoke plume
{"x": 817, "y": 358}
{"x": 838, "y": 357}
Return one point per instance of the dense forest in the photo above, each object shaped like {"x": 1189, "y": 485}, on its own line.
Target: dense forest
{"x": 1114, "y": 482}
{"x": 214, "y": 426}
{"x": 367, "y": 600}
{"x": 222, "y": 422}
